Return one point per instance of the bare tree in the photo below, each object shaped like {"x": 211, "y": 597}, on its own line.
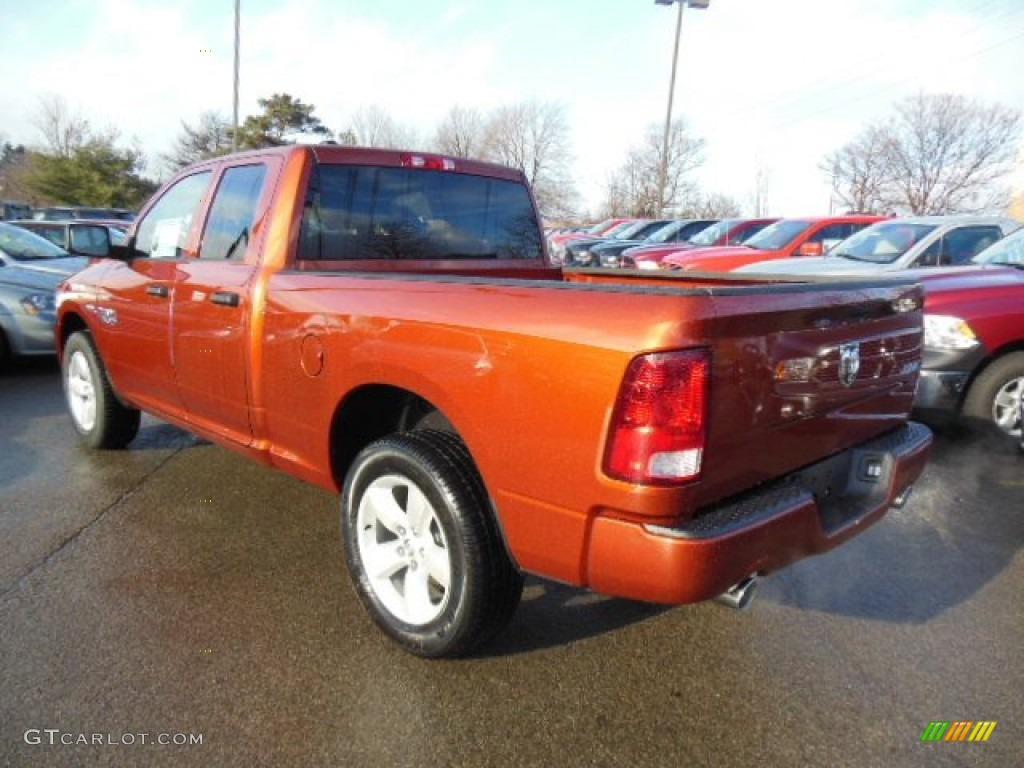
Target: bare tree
{"x": 210, "y": 138}
{"x": 636, "y": 186}
{"x": 940, "y": 153}
{"x": 534, "y": 137}
{"x": 460, "y": 133}
{"x": 372, "y": 126}
{"x": 710, "y": 206}
{"x": 63, "y": 131}
{"x": 860, "y": 172}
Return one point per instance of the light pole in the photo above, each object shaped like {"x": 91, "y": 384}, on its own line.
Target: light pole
{"x": 663, "y": 182}
{"x": 234, "y": 122}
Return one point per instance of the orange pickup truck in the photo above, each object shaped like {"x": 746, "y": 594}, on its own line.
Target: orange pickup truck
{"x": 387, "y": 325}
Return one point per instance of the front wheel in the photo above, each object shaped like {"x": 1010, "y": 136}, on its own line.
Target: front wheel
{"x": 100, "y": 419}
{"x": 422, "y": 547}
{"x": 995, "y": 396}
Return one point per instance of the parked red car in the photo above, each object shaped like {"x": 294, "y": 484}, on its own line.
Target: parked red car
{"x": 724, "y": 232}
{"x": 973, "y": 363}
{"x": 781, "y": 240}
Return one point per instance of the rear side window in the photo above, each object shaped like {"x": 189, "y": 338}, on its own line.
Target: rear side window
{"x": 367, "y": 212}
{"x": 232, "y": 213}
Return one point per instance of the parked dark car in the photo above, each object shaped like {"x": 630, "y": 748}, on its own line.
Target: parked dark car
{"x": 78, "y": 236}
{"x": 578, "y": 253}
{"x": 63, "y": 213}
{"x": 14, "y": 209}
{"x": 677, "y": 233}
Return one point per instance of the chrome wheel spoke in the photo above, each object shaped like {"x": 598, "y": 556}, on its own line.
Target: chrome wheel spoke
{"x": 416, "y": 586}
{"x": 385, "y": 509}
{"x": 384, "y": 560}
{"x": 438, "y": 565}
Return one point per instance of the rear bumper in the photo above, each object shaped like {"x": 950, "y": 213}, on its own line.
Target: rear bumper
{"x": 806, "y": 513}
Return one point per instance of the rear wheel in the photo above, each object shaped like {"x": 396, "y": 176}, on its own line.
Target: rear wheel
{"x": 422, "y": 546}
{"x": 995, "y": 396}
{"x": 99, "y": 417}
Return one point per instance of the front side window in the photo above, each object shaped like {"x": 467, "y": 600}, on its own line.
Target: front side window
{"x": 233, "y": 213}
{"x": 367, "y": 212}
{"x": 163, "y": 232}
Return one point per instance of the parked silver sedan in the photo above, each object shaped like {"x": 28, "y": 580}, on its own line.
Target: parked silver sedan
{"x": 31, "y": 268}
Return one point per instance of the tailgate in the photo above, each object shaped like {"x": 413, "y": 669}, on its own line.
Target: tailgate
{"x": 803, "y": 371}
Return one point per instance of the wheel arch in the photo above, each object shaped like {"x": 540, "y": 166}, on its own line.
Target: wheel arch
{"x": 373, "y": 411}
{"x": 69, "y": 323}
{"x": 1017, "y": 345}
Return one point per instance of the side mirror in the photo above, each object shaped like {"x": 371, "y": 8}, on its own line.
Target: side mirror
{"x": 123, "y": 252}
{"x": 810, "y": 249}
{"x": 89, "y": 240}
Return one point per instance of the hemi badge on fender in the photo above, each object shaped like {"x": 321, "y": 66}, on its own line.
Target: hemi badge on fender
{"x": 106, "y": 315}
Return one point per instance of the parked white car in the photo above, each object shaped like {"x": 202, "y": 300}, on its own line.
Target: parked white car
{"x": 895, "y": 244}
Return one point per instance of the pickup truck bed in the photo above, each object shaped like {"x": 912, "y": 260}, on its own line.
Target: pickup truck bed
{"x": 481, "y": 413}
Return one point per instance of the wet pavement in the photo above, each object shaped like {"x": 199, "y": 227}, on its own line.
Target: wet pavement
{"x": 177, "y": 593}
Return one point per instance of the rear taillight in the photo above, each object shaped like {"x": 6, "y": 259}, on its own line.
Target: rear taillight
{"x": 430, "y": 162}
{"x": 658, "y": 426}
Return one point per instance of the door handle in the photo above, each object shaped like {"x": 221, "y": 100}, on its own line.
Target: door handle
{"x": 226, "y": 298}
{"x": 160, "y": 291}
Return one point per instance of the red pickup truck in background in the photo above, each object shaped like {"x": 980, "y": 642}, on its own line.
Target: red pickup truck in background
{"x": 974, "y": 340}
{"x": 386, "y": 325}
{"x": 783, "y": 239}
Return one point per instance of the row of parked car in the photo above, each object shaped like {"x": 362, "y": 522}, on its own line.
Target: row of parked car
{"x": 971, "y": 267}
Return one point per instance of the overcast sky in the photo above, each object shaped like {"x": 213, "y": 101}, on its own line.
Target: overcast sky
{"x": 769, "y": 85}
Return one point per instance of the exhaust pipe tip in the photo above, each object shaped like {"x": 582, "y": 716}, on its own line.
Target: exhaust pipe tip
{"x": 740, "y": 596}
{"x": 901, "y": 501}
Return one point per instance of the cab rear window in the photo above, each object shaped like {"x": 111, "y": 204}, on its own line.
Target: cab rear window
{"x": 368, "y": 212}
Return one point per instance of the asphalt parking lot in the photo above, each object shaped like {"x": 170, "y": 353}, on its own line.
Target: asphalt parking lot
{"x": 174, "y": 593}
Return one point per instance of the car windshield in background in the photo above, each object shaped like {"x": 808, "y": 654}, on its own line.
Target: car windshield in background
{"x": 632, "y": 230}
{"x": 367, "y": 212}
{"x": 713, "y": 233}
{"x": 778, "y": 235}
{"x": 22, "y": 245}
{"x": 1008, "y": 252}
{"x": 881, "y": 243}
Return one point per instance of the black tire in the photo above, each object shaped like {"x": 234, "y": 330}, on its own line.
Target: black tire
{"x": 100, "y": 419}
{"x": 427, "y": 480}
{"x": 993, "y": 400}
{"x": 5, "y": 352}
